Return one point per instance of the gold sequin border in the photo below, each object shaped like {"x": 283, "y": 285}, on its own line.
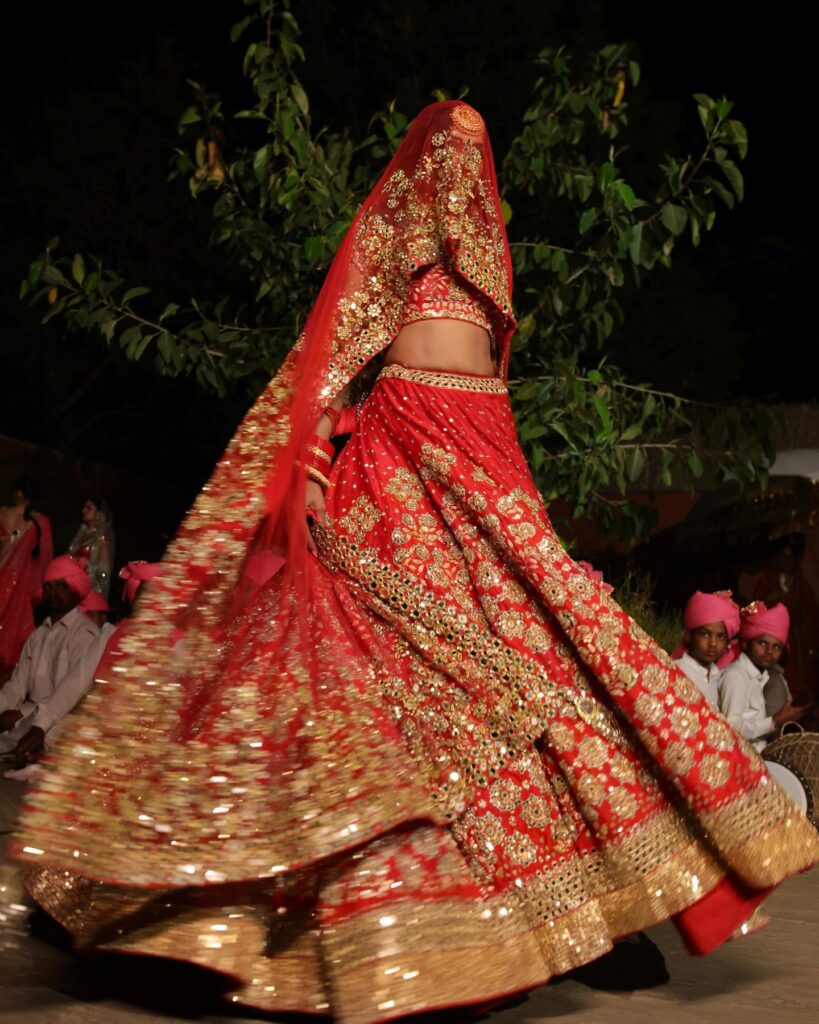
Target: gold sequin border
{"x": 445, "y": 952}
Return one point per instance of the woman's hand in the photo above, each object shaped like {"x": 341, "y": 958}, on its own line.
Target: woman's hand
{"x": 315, "y": 509}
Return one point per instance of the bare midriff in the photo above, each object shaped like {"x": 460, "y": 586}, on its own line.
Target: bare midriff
{"x": 451, "y": 346}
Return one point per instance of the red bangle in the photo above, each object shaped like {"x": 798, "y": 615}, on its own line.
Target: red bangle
{"x": 320, "y": 446}
{"x": 333, "y": 415}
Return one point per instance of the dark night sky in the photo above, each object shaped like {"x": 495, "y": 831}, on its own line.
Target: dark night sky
{"x": 751, "y": 276}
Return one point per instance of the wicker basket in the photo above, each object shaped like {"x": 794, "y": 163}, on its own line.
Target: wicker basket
{"x": 799, "y": 751}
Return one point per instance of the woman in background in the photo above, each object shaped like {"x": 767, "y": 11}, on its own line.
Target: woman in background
{"x": 25, "y": 551}
{"x": 93, "y": 544}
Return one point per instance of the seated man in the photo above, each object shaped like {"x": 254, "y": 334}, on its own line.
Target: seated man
{"x": 764, "y": 635}
{"x": 56, "y": 666}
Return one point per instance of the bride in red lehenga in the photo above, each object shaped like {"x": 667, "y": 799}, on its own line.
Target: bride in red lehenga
{"x": 432, "y": 762}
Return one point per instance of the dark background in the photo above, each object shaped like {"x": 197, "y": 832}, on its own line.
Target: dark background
{"x": 92, "y": 94}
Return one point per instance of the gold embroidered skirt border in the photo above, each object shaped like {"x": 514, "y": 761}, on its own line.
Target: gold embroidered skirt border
{"x": 414, "y": 956}
{"x": 442, "y": 379}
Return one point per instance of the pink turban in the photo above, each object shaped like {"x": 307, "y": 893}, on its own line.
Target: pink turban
{"x": 95, "y": 602}
{"x": 757, "y": 620}
{"x": 65, "y": 568}
{"x": 595, "y": 575}
{"x": 135, "y": 574}
{"x": 703, "y": 609}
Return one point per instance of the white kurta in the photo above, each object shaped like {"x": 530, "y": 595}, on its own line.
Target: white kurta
{"x": 742, "y": 700}
{"x": 54, "y": 672}
{"x": 705, "y": 678}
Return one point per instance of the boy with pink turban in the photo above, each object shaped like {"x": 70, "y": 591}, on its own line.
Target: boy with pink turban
{"x": 56, "y": 666}
{"x": 711, "y": 622}
{"x": 96, "y": 608}
{"x": 764, "y": 636}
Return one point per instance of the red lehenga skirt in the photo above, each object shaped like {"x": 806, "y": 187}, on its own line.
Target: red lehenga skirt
{"x": 493, "y": 775}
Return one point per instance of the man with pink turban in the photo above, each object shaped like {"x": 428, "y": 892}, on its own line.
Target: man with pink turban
{"x": 56, "y": 666}
{"x": 135, "y": 574}
{"x": 764, "y": 636}
{"x": 711, "y": 622}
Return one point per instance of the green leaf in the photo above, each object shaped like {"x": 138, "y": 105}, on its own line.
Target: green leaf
{"x": 634, "y": 72}
{"x": 734, "y": 176}
{"x": 91, "y": 282}
{"x": 506, "y": 211}
{"x": 602, "y": 412}
{"x": 239, "y": 28}
{"x": 129, "y": 340}
{"x": 313, "y": 248}
{"x": 165, "y": 344}
{"x": 526, "y": 391}
{"x": 191, "y": 116}
{"x": 169, "y": 310}
{"x": 665, "y": 467}
{"x": 558, "y": 428}
{"x": 626, "y": 193}
{"x": 260, "y": 158}
{"x": 53, "y": 275}
{"x": 587, "y": 218}
{"x": 300, "y": 96}
{"x": 738, "y": 134}
{"x": 637, "y": 464}
{"x": 694, "y": 463}
{"x": 635, "y": 246}
{"x": 525, "y": 329}
{"x": 134, "y": 293}
{"x": 532, "y": 429}
{"x": 78, "y": 269}
{"x": 723, "y": 108}
{"x": 606, "y": 175}
{"x": 139, "y": 351}
{"x": 674, "y": 218}
{"x": 723, "y": 193}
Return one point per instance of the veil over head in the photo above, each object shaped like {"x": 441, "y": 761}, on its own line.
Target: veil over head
{"x": 437, "y": 201}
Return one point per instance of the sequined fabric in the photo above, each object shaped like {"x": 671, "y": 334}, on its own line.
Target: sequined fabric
{"x": 472, "y": 773}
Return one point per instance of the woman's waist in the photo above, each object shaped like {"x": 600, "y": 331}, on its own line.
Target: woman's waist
{"x": 447, "y": 346}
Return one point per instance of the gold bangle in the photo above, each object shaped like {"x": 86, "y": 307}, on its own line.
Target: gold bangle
{"x": 320, "y": 478}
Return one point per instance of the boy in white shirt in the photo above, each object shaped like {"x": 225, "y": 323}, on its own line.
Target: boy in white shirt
{"x": 764, "y": 636}
{"x": 711, "y": 622}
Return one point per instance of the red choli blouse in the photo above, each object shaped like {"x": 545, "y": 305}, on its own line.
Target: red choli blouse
{"x": 435, "y": 293}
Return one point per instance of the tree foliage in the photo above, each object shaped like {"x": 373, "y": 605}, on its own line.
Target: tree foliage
{"x": 282, "y": 193}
